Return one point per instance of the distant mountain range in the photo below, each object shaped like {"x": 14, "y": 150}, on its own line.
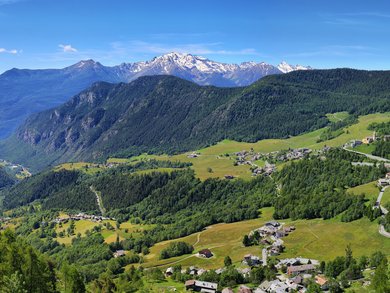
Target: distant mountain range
{"x": 25, "y": 91}
{"x": 166, "y": 114}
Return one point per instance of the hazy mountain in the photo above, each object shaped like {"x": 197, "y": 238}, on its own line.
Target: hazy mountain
{"x": 24, "y": 91}
{"x": 168, "y": 114}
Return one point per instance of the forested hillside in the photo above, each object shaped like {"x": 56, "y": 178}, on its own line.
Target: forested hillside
{"x": 167, "y": 114}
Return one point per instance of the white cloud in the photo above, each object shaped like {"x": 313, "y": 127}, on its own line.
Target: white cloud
{"x": 67, "y": 48}
{"x": 13, "y": 51}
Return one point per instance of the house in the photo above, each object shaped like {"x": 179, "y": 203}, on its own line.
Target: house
{"x": 274, "y": 224}
{"x": 322, "y": 281}
{"x": 388, "y": 175}
{"x": 355, "y": 143}
{"x": 368, "y": 140}
{"x": 219, "y": 271}
{"x": 169, "y": 272}
{"x": 245, "y": 272}
{"x": 119, "y": 253}
{"x": 227, "y": 290}
{"x": 244, "y": 289}
{"x": 295, "y": 270}
{"x": 206, "y": 253}
{"x": 386, "y": 138}
{"x": 201, "y": 286}
{"x": 251, "y": 260}
{"x": 383, "y": 182}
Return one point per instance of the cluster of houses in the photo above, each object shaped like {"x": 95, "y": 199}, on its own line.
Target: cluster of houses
{"x": 267, "y": 170}
{"x": 367, "y": 140}
{"x": 297, "y": 271}
{"x": 16, "y": 169}
{"x": 287, "y": 155}
{"x": 81, "y": 216}
{"x": 250, "y": 158}
{"x": 271, "y": 234}
{"x": 382, "y": 182}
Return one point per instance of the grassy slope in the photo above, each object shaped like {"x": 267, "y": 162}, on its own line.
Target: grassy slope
{"x": 213, "y": 156}
{"x": 317, "y": 239}
{"x": 109, "y": 235}
{"x": 370, "y": 190}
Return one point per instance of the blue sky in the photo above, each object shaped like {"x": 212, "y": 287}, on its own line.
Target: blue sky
{"x": 323, "y": 34}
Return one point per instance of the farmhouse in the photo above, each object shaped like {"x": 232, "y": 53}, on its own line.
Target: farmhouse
{"x": 119, "y": 253}
{"x": 251, "y": 260}
{"x": 201, "y": 286}
{"x": 302, "y": 269}
{"x": 322, "y": 281}
{"x": 169, "y": 272}
{"x": 206, "y": 253}
{"x": 244, "y": 289}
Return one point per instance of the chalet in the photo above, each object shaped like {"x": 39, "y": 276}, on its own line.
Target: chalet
{"x": 355, "y": 143}
{"x": 280, "y": 234}
{"x": 227, "y": 290}
{"x": 369, "y": 139}
{"x": 322, "y": 281}
{"x": 119, "y": 253}
{"x": 206, "y": 253}
{"x": 251, "y": 260}
{"x": 245, "y": 272}
{"x": 169, "y": 272}
{"x": 383, "y": 182}
{"x": 302, "y": 269}
{"x": 244, "y": 289}
{"x": 219, "y": 271}
{"x": 201, "y": 286}
{"x": 274, "y": 224}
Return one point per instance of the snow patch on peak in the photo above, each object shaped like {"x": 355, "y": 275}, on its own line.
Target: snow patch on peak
{"x": 286, "y": 68}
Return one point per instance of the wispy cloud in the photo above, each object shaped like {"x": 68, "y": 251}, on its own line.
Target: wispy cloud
{"x": 13, "y": 51}
{"x": 67, "y": 48}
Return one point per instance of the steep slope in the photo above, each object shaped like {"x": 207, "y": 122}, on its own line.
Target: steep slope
{"x": 168, "y": 114}
{"x": 23, "y": 91}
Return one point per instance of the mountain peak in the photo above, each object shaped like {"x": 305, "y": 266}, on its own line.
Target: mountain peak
{"x": 284, "y": 67}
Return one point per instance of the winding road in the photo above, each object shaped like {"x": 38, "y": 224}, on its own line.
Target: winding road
{"x": 382, "y": 230}
{"x": 372, "y": 157}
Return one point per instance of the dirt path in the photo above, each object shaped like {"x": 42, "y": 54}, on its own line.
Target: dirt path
{"x": 99, "y": 200}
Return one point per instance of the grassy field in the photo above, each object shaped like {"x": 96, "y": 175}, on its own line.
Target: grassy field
{"x": 125, "y": 230}
{"x": 386, "y": 197}
{"x": 317, "y": 239}
{"x": 339, "y": 116}
{"x": 89, "y": 168}
{"x": 365, "y": 148}
{"x": 370, "y": 190}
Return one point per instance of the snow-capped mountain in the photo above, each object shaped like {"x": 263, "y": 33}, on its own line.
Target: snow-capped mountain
{"x": 25, "y": 91}
{"x": 202, "y": 70}
{"x": 284, "y": 67}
